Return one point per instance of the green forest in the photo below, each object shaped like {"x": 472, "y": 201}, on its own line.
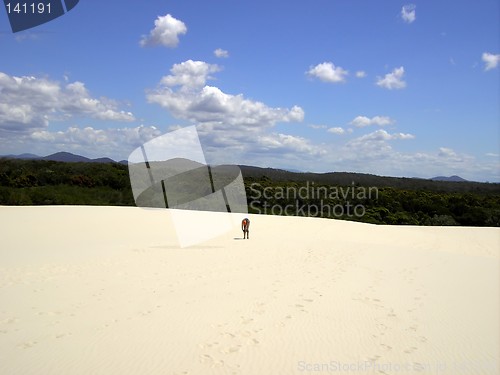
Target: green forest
{"x": 365, "y": 198}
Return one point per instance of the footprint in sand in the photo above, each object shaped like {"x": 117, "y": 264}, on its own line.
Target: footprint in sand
{"x": 61, "y": 335}
{"x": 413, "y": 328}
{"x": 208, "y": 359}
{"x": 245, "y": 333}
{"x": 375, "y": 358}
{"x": 208, "y": 345}
{"x": 245, "y": 320}
{"x": 410, "y": 350}
{"x": 301, "y": 307}
{"x": 231, "y": 349}
{"x": 9, "y": 321}
{"x": 386, "y": 347}
{"x": 418, "y": 367}
{"x": 259, "y": 311}
{"x": 27, "y": 344}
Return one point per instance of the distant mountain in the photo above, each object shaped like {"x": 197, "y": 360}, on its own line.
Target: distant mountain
{"x": 363, "y": 179}
{"x": 67, "y": 157}
{"x": 102, "y": 160}
{"x": 451, "y": 178}
{"x": 27, "y": 156}
{"x": 440, "y": 183}
{"x": 22, "y": 156}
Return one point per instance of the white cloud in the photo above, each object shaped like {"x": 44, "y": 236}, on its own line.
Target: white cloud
{"x": 362, "y": 121}
{"x": 190, "y": 74}
{"x": 373, "y": 148}
{"x": 100, "y": 138}
{"x": 382, "y": 159}
{"x": 30, "y": 103}
{"x": 221, "y": 53}
{"x": 408, "y": 13}
{"x": 285, "y": 142}
{"x": 393, "y": 80}
{"x": 381, "y": 135}
{"x": 328, "y": 72}
{"x": 490, "y": 60}
{"x": 360, "y": 74}
{"x": 88, "y": 141}
{"x": 185, "y": 95}
{"x": 403, "y": 136}
{"x": 449, "y": 154}
{"x": 377, "y": 140}
{"x": 446, "y": 152}
{"x": 231, "y": 127}
{"x": 337, "y": 130}
{"x": 165, "y": 33}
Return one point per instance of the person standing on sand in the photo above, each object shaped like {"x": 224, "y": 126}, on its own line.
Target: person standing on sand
{"x": 245, "y": 226}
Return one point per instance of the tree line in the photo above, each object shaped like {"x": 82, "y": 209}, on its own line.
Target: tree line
{"x": 341, "y": 196}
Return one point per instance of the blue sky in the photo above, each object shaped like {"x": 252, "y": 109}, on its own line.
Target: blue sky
{"x": 384, "y": 87}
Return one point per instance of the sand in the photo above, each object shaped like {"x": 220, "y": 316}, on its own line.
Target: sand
{"x": 108, "y": 290}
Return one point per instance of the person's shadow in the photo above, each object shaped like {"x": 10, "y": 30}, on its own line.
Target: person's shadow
{"x": 238, "y": 238}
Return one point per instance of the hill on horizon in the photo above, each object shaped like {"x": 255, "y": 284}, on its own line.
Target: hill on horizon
{"x": 62, "y": 156}
{"x": 453, "y": 178}
{"x": 344, "y": 178}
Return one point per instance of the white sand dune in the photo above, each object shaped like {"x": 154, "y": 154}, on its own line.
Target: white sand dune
{"x": 107, "y": 290}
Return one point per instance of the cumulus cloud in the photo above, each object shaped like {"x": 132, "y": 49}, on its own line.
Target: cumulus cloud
{"x": 382, "y": 135}
{"x": 337, "y": 130}
{"x": 285, "y": 142}
{"x": 362, "y": 121}
{"x": 165, "y": 33}
{"x": 185, "y": 95}
{"x": 372, "y": 149}
{"x": 490, "y": 60}
{"x": 393, "y": 80}
{"x": 88, "y": 141}
{"x": 221, "y": 53}
{"x": 376, "y": 154}
{"x": 449, "y": 154}
{"x": 90, "y": 136}
{"x": 231, "y": 126}
{"x": 328, "y": 72}
{"x": 30, "y": 103}
{"x": 190, "y": 74}
{"x": 408, "y": 13}
{"x": 360, "y": 74}
{"x": 377, "y": 140}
